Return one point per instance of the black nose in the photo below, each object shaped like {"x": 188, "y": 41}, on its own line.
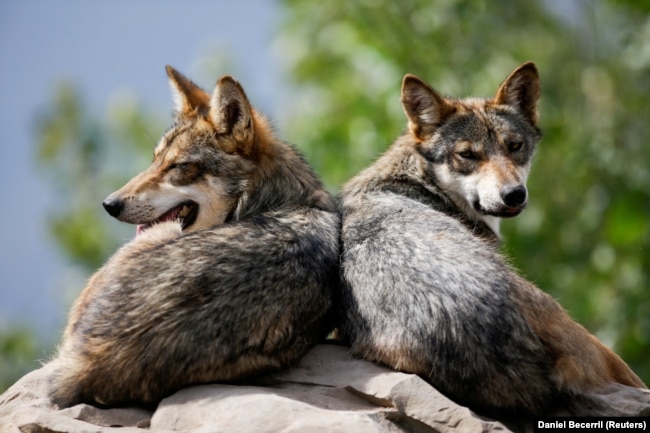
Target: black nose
{"x": 514, "y": 197}
{"x": 113, "y": 207}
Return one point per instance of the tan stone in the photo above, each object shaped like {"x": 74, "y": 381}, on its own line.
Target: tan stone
{"x": 329, "y": 391}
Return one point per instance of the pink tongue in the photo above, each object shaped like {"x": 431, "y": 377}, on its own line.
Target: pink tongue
{"x": 169, "y": 216}
{"x": 141, "y": 228}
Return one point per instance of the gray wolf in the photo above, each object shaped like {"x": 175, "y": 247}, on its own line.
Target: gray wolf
{"x": 232, "y": 270}
{"x": 425, "y": 289}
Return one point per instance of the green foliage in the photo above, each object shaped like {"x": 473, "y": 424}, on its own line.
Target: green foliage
{"x": 87, "y": 157}
{"x": 17, "y": 356}
{"x": 348, "y": 59}
{"x": 586, "y": 234}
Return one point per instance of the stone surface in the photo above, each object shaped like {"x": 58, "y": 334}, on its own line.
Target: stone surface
{"x": 25, "y": 408}
{"x": 328, "y": 392}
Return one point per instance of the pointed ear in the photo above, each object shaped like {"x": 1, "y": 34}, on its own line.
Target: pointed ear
{"x": 521, "y": 90}
{"x": 424, "y": 107}
{"x": 189, "y": 99}
{"x": 232, "y": 114}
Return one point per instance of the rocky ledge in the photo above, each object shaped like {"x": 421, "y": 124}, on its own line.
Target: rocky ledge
{"x": 328, "y": 392}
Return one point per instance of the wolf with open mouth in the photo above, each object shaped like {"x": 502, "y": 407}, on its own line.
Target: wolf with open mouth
{"x": 197, "y": 175}
{"x": 232, "y": 271}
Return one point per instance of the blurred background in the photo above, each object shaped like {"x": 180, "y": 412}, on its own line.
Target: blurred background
{"x": 84, "y": 98}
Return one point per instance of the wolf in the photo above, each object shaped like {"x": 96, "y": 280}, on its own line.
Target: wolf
{"x": 425, "y": 289}
{"x": 232, "y": 270}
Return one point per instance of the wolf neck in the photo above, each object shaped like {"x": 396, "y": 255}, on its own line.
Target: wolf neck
{"x": 402, "y": 172}
{"x": 281, "y": 180}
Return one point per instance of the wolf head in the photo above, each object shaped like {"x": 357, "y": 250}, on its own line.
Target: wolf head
{"x": 477, "y": 151}
{"x": 200, "y": 164}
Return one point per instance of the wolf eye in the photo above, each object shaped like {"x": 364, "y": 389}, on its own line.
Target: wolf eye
{"x": 177, "y": 165}
{"x": 514, "y": 146}
{"x": 467, "y": 154}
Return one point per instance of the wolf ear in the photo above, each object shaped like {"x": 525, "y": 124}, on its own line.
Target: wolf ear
{"x": 424, "y": 107}
{"x": 189, "y": 99}
{"x": 521, "y": 90}
{"x": 232, "y": 114}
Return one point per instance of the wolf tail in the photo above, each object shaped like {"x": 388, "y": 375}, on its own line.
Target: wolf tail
{"x": 66, "y": 383}
{"x": 591, "y": 366}
{"x": 619, "y": 372}
{"x": 582, "y": 362}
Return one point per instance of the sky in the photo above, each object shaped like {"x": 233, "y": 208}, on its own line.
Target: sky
{"x": 104, "y": 49}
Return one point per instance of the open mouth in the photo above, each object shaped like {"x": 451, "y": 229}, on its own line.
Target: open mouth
{"x": 185, "y": 213}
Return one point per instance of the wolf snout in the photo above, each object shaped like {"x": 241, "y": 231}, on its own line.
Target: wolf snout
{"x": 113, "y": 206}
{"x": 514, "y": 196}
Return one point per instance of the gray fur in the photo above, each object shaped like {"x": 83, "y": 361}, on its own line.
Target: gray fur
{"x": 425, "y": 289}
{"x": 252, "y": 293}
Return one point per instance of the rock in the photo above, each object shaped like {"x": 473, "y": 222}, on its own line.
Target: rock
{"x": 328, "y": 392}
{"x": 250, "y": 409}
{"x": 119, "y": 417}
{"x": 416, "y": 401}
{"x": 25, "y": 408}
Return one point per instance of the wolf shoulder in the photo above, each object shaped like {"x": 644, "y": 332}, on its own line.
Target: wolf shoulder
{"x": 402, "y": 218}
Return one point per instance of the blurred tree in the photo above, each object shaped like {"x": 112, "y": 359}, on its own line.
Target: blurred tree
{"x": 18, "y": 355}
{"x": 586, "y": 234}
{"x": 86, "y": 158}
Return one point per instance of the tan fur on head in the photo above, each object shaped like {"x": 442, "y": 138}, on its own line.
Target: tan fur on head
{"x": 189, "y": 99}
{"x": 228, "y": 110}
